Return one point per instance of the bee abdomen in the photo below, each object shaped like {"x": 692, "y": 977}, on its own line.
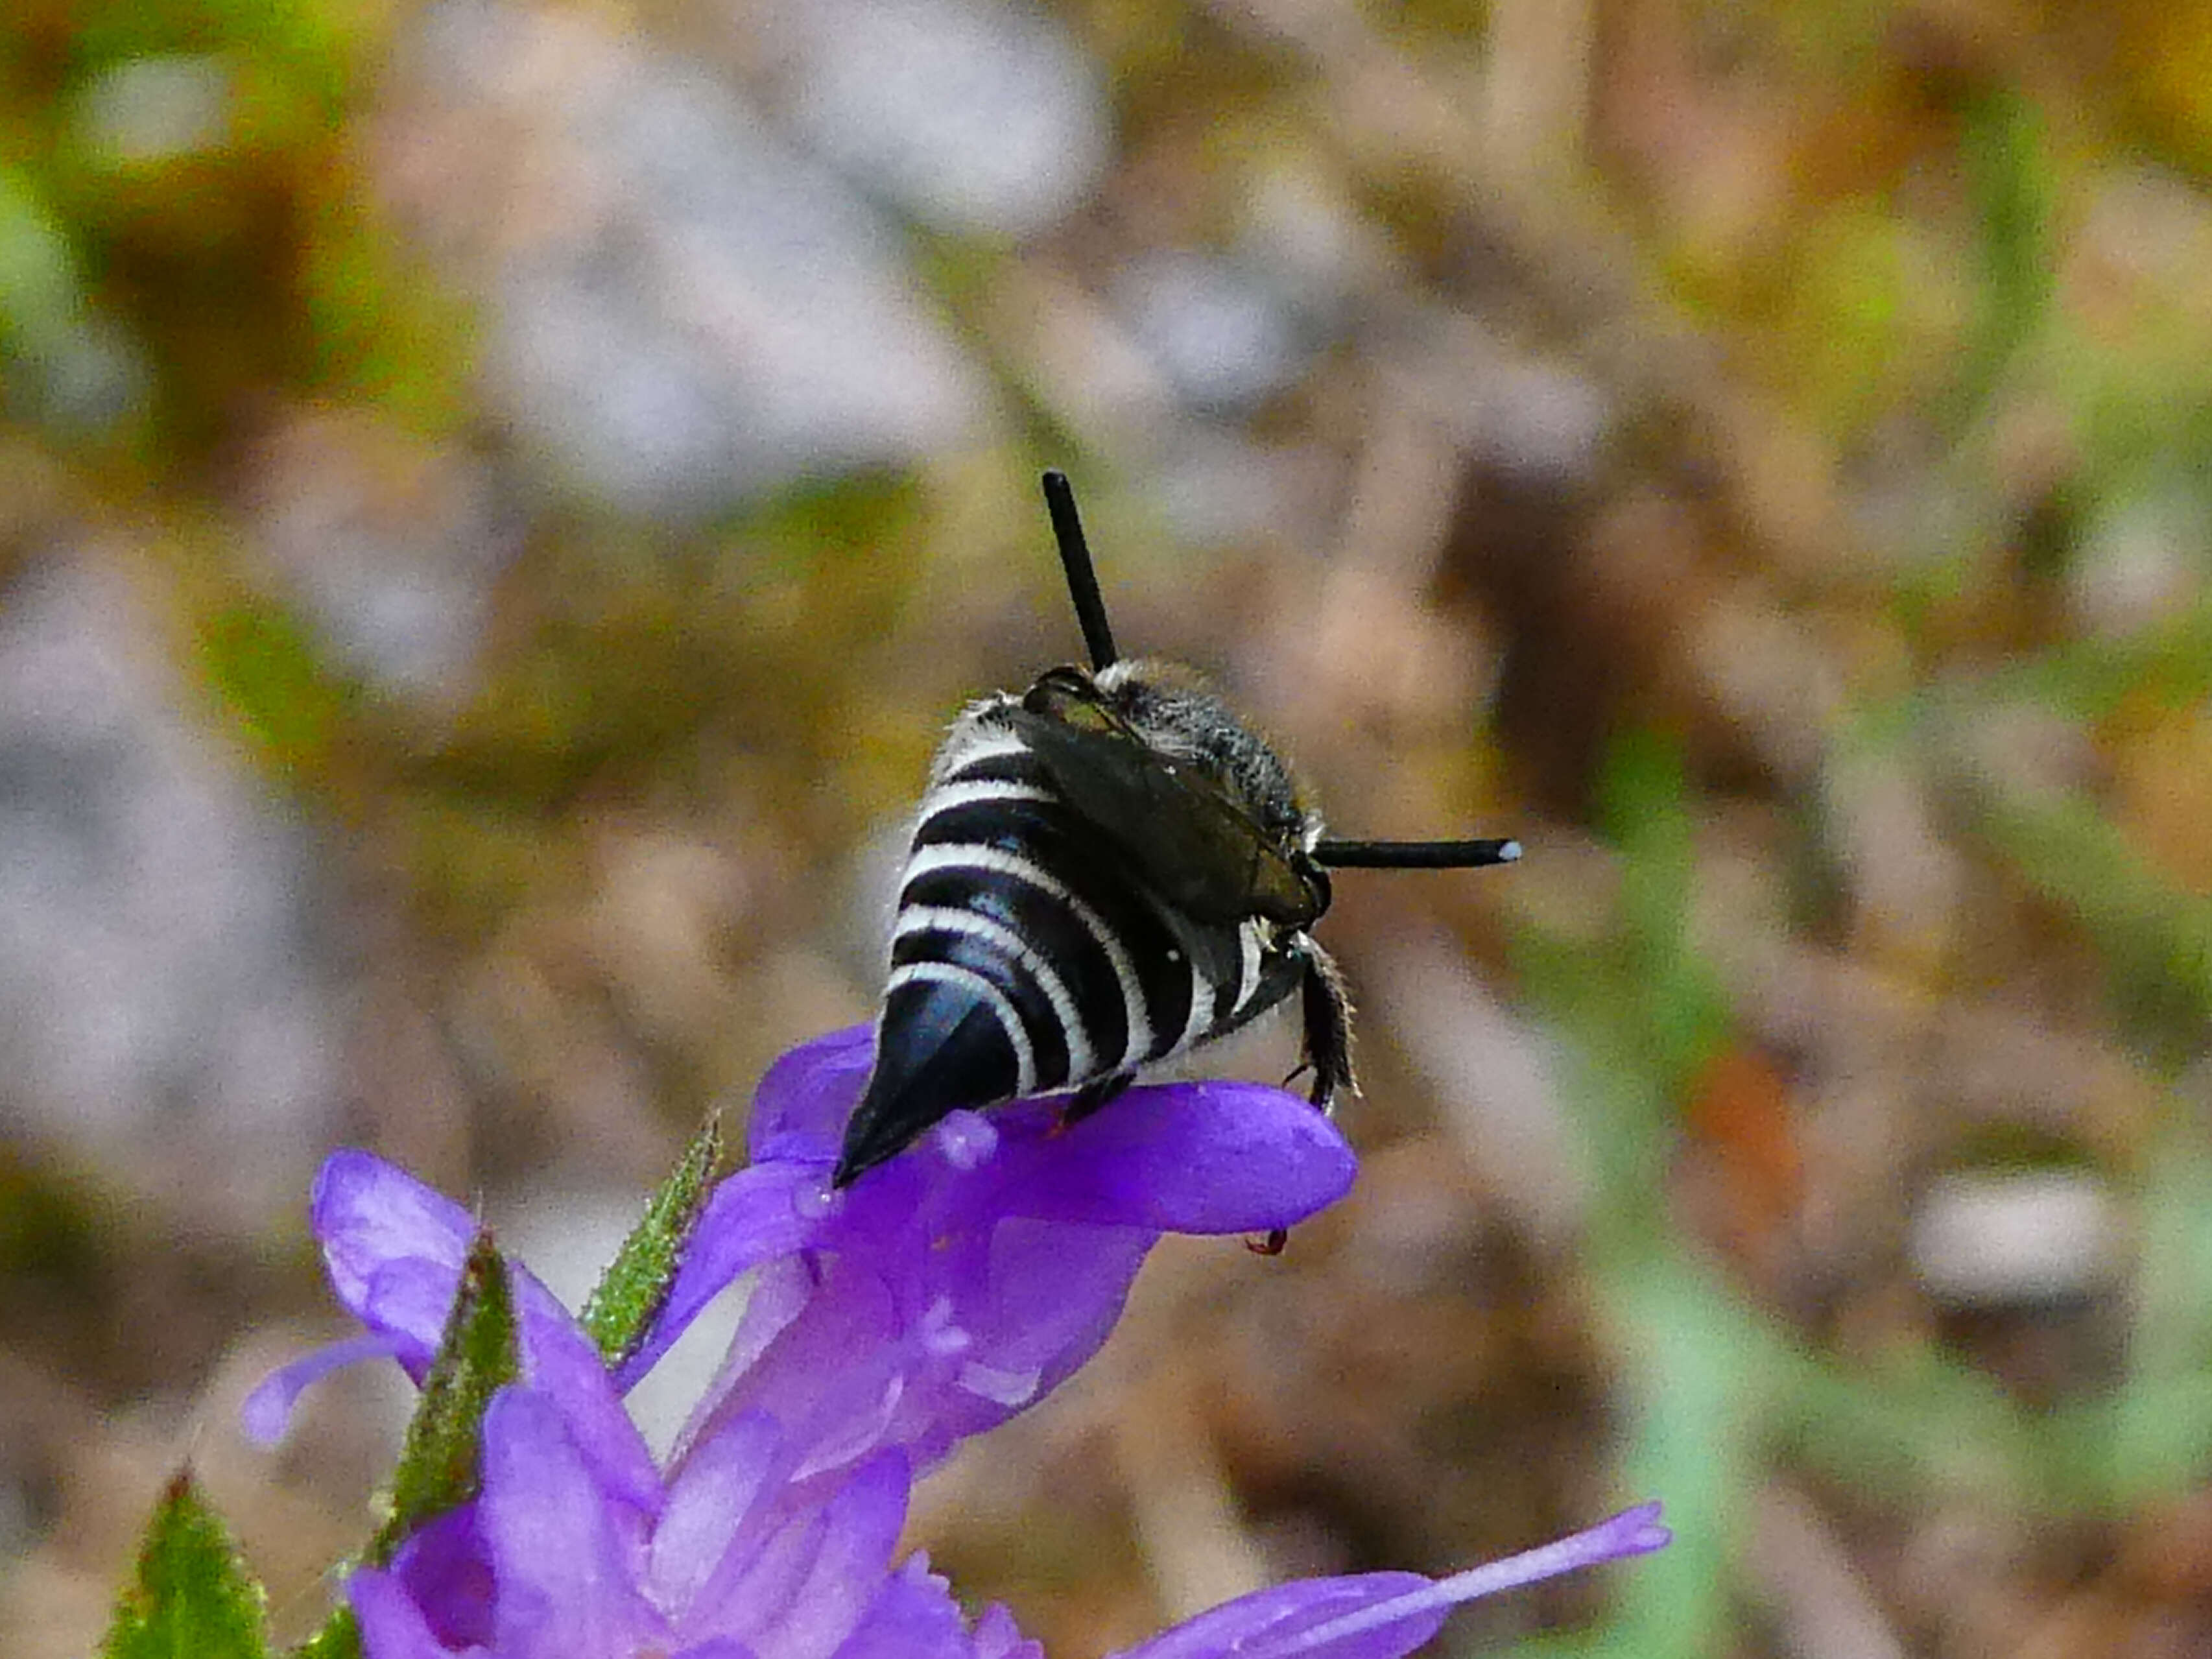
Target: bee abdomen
{"x": 1023, "y": 957}
{"x": 946, "y": 1038}
{"x": 1063, "y": 890}
{"x": 1045, "y": 1028}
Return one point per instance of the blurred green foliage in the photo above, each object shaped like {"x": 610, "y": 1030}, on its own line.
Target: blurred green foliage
{"x": 1879, "y": 227}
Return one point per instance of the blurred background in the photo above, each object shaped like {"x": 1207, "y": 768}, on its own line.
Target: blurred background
{"x": 499, "y": 498}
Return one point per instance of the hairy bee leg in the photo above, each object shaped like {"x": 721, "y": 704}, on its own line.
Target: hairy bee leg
{"x": 1093, "y": 1095}
{"x": 1326, "y": 1007}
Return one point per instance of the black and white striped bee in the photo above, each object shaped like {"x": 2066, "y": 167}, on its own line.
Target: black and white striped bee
{"x": 1107, "y": 871}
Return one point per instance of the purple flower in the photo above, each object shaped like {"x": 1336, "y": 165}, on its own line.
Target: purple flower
{"x": 742, "y": 1560}
{"x": 939, "y": 1296}
{"x": 932, "y": 1300}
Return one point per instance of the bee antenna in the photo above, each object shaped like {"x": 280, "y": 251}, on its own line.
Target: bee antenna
{"x": 1081, "y": 580}
{"x": 1414, "y": 854}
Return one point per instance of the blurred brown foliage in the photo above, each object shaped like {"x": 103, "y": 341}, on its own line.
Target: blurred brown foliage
{"x": 497, "y": 501}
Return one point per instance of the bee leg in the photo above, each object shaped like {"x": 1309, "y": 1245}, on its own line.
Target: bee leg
{"x": 1093, "y": 1095}
{"x": 1327, "y": 1009}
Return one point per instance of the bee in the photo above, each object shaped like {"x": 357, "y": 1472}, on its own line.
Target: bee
{"x": 1106, "y": 870}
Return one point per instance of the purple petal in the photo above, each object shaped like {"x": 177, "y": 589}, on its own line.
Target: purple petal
{"x": 393, "y": 1248}
{"x": 803, "y": 1590}
{"x": 832, "y": 1375}
{"x": 1383, "y": 1615}
{"x": 712, "y": 1506}
{"x": 757, "y": 1214}
{"x": 1184, "y": 1158}
{"x": 564, "y": 1364}
{"x": 801, "y": 1105}
{"x": 267, "y": 1412}
{"x": 997, "y": 1637}
{"x": 1272, "y": 1624}
{"x": 444, "y": 1567}
{"x": 914, "y": 1616}
{"x": 1198, "y": 1157}
{"x": 563, "y": 1555}
{"x": 1034, "y": 1305}
{"x": 392, "y": 1626}
{"x": 918, "y": 1340}
{"x": 1631, "y": 1532}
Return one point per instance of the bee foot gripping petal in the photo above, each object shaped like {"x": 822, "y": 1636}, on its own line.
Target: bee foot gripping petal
{"x": 943, "y": 1046}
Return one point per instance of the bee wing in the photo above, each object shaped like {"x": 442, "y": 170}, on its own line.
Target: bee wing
{"x": 1193, "y": 843}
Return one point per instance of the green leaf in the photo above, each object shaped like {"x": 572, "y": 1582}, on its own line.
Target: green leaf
{"x": 2161, "y": 1442}
{"x": 475, "y": 1358}
{"x": 338, "y": 1638}
{"x": 262, "y": 661}
{"x": 192, "y": 1597}
{"x": 2155, "y": 938}
{"x": 2015, "y": 185}
{"x": 439, "y": 1463}
{"x": 1677, "y": 1003}
{"x": 635, "y": 1284}
{"x": 42, "y": 292}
